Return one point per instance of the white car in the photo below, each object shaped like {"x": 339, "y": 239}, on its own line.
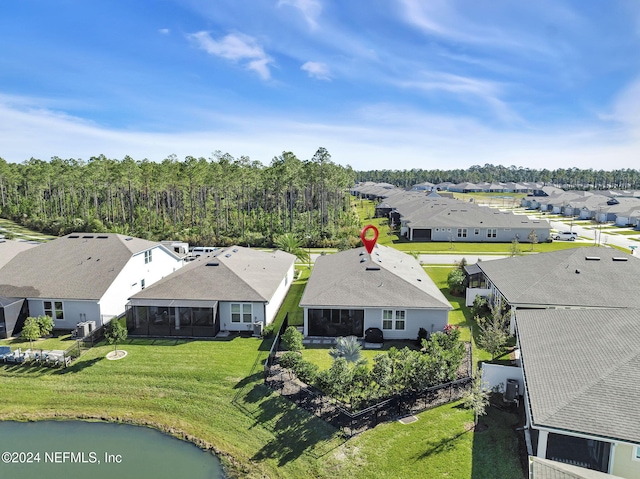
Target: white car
{"x": 565, "y": 235}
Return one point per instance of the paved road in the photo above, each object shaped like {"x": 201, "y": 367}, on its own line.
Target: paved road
{"x": 596, "y": 236}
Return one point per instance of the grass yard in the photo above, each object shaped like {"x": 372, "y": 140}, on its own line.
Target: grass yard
{"x": 20, "y": 232}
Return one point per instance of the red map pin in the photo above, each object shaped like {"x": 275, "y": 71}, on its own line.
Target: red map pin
{"x": 369, "y": 243}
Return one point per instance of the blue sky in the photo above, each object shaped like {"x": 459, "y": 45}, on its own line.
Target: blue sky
{"x": 380, "y": 83}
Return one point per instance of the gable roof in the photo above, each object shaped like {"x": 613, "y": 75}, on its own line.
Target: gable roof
{"x": 9, "y": 249}
{"x": 232, "y": 274}
{"x": 390, "y": 278}
{"x": 582, "y": 370}
{"x": 76, "y": 266}
{"x": 581, "y": 277}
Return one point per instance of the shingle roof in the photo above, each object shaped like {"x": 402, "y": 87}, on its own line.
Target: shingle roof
{"x": 346, "y": 279}
{"x": 582, "y": 370}
{"x": 9, "y": 249}
{"x": 547, "y": 469}
{"x": 76, "y": 266}
{"x": 571, "y": 277}
{"x": 457, "y": 214}
{"x": 233, "y": 274}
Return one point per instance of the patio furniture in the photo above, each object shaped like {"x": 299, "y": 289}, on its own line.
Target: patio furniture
{"x": 4, "y": 351}
{"x": 13, "y": 357}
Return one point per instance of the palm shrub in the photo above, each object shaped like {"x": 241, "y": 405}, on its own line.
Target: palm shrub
{"x": 348, "y": 348}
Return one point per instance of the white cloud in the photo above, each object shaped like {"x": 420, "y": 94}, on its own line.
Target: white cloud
{"x": 625, "y": 107}
{"x": 317, "y": 70}
{"x": 374, "y": 137}
{"x": 164, "y": 31}
{"x": 465, "y": 89}
{"x": 236, "y": 47}
{"x": 310, "y": 9}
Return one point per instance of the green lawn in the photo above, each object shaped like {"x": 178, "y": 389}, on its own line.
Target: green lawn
{"x": 20, "y": 232}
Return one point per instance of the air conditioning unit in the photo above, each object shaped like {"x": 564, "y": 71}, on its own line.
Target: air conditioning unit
{"x": 85, "y": 328}
{"x": 511, "y": 391}
{"x": 257, "y": 329}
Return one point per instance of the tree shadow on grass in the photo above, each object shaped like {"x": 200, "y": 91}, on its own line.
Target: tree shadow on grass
{"x": 78, "y": 365}
{"x": 295, "y": 431}
{"x": 443, "y": 445}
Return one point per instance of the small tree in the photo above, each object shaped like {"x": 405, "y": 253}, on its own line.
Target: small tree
{"x": 292, "y": 339}
{"x": 46, "y": 324}
{"x": 533, "y": 239}
{"x": 515, "y": 247}
{"x": 115, "y": 333}
{"x": 31, "y": 330}
{"x": 477, "y": 399}
{"x": 493, "y": 334}
{"x": 455, "y": 281}
{"x": 348, "y": 348}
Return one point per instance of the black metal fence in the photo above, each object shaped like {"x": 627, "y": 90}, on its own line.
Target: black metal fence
{"x": 352, "y": 422}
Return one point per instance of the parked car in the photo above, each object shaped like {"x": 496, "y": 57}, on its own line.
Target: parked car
{"x": 565, "y": 235}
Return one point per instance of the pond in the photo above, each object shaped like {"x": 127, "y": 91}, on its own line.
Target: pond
{"x": 64, "y": 449}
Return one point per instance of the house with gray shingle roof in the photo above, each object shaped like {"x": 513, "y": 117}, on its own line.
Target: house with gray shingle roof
{"x": 350, "y": 291}
{"x": 592, "y": 277}
{"x": 230, "y": 290}
{"x": 85, "y": 276}
{"x": 442, "y": 219}
{"x": 581, "y": 371}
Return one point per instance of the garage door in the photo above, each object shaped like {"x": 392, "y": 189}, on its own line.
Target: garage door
{"x": 422, "y": 235}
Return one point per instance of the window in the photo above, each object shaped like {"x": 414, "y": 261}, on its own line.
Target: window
{"x": 147, "y": 257}
{"x": 143, "y": 283}
{"x": 492, "y": 232}
{"x": 387, "y": 319}
{"x": 462, "y": 232}
{"x": 53, "y": 309}
{"x": 636, "y": 453}
{"x": 241, "y": 311}
{"x": 476, "y": 231}
{"x": 393, "y": 319}
{"x": 400, "y": 320}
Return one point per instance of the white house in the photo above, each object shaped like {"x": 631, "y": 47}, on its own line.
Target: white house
{"x": 230, "y": 289}
{"x": 85, "y": 276}
{"x": 350, "y": 291}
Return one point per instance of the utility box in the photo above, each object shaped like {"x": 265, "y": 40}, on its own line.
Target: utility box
{"x": 257, "y": 329}
{"x": 511, "y": 391}
{"x": 85, "y": 328}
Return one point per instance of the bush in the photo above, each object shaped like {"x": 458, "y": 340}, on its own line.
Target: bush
{"x": 455, "y": 281}
{"x": 290, "y": 359}
{"x": 306, "y": 371}
{"x": 292, "y": 339}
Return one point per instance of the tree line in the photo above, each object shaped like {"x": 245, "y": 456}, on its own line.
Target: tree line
{"x": 220, "y": 200}
{"x": 571, "y": 178}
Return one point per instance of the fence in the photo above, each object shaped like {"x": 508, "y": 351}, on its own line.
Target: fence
{"x": 351, "y": 422}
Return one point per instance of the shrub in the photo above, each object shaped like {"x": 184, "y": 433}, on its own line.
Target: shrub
{"x": 292, "y": 339}
{"x": 306, "y": 371}
{"x": 290, "y": 359}
{"x": 455, "y": 281}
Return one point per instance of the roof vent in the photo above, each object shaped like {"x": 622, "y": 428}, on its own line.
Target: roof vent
{"x": 577, "y": 271}
{"x": 128, "y": 238}
{"x": 234, "y": 250}
{"x": 73, "y": 236}
{"x": 362, "y": 260}
{"x": 213, "y": 263}
{"x": 228, "y": 255}
{"x": 102, "y": 237}
{"x": 88, "y": 236}
{"x": 592, "y": 258}
{"x": 373, "y": 268}
{"x": 619, "y": 258}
